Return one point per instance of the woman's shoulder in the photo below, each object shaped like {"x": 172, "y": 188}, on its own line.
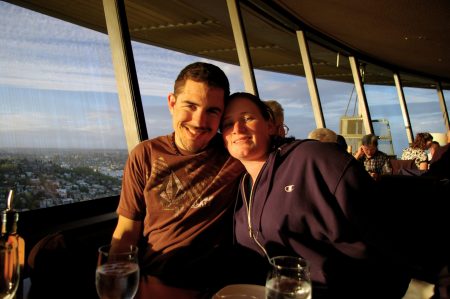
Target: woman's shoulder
{"x": 407, "y": 153}
{"x": 287, "y": 145}
{"x": 313, "y": 149}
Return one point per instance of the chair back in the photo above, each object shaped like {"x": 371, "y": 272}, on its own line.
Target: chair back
{"x": 397, "y": 165}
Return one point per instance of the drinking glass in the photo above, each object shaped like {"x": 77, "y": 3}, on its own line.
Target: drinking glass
{"x": 117, "y": 274}
{"x": 9, "y": 268}
{"x": 289, "y": 278}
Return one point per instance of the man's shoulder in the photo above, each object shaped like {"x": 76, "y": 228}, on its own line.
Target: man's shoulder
{"x": 150, "y": 145}
{"x": 443, "y": 149}
{"x": 382, "y": 154}
{"x": 440, "y": 152}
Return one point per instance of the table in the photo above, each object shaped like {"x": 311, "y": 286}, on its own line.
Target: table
{"x": 151, "y": 287}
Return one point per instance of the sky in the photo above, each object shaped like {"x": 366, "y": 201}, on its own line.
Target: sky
{"x": 57, "y": 89}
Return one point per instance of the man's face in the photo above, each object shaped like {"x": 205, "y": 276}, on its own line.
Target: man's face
{"x": 369, "y": 150}
{"x": 196, "y": 114}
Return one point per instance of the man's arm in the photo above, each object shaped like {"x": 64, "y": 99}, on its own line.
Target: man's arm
{"x": 359, "y": 153}
{"x": 127, "y": 232}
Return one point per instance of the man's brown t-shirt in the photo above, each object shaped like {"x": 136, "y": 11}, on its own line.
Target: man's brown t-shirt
{"x": 186, "y": 202}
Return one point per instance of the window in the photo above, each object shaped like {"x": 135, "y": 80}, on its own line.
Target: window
{"x": 385, "y": 110}
{"x": 61, "y": 133}
{"x": 292, "y": 93}
{"x": 423, "y": 104}
{"x": 337, "y": 97}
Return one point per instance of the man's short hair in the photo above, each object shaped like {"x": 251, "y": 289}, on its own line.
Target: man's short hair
{"x": 369, "y": 139}
{"x": 266, "y": 111}
{"x": 204, "y": 72}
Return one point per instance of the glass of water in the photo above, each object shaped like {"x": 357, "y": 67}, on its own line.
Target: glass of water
{"x": 117, "y": 274}
{"x": 288, "y": 278}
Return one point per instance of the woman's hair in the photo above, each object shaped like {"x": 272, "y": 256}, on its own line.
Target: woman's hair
{"x": 369, "y": 140}
{"x": 265, "y": 110}
{"x": 266, "y": 113}
{"x": 421, "y": 140}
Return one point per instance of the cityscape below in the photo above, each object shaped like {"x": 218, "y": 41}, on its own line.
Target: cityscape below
{"x": 42, "y": 178}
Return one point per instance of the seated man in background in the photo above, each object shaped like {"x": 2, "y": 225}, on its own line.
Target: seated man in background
{"x": 375, "y": 162}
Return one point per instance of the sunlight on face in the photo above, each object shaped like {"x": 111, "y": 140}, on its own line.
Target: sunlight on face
{"x": 246, "y": 133}
{"x": 196, "y": 113}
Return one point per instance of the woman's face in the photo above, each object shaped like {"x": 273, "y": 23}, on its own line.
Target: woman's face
{"x": 246, "y": 133}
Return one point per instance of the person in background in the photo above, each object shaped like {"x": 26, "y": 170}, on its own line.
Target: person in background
{"x": 416, "y": 151}
{"x": 306, "y": 198}
{"x": 343, "y": 143}
{"x": 278, "y": 114}
{"x": 375, "y": 161}
{"x": 327, "y": 135}
{"x": 323, "y": 134}
{"x": 440, "y": 163}
{"x": 178, "y": 191}
{"x": 433, "y": 147}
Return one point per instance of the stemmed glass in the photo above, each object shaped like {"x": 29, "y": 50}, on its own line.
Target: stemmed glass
{"x": 289, "y": 278}
{"x": 9, "y": 268}
{"x": 117, "y": 274}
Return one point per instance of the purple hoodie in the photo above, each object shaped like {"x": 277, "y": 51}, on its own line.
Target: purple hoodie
{"x": 309, "y": 200}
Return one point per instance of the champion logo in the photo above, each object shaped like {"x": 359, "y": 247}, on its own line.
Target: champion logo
{"x": 289, "y": 188}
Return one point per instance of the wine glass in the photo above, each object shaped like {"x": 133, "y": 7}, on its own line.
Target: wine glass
{"x": 9, "y": 268}
{"x": 117, "y": 274}
{"x": 288, "y": 278}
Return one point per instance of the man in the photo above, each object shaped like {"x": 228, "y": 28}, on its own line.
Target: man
{"x": 278, "y": 115}
{"x": 178, "y": 191}
{"x": 375, "y": 162}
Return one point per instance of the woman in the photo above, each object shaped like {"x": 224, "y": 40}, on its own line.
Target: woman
{"x": 416, "y": 151}
{"x": 305, "y": 198}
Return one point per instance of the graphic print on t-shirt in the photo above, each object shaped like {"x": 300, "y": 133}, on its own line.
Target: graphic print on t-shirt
{"x": 184, "y": 191}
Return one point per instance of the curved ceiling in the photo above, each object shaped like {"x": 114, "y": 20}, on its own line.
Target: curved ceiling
{"x": 404, "y": 34}
{"x": 401, "y": 35}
